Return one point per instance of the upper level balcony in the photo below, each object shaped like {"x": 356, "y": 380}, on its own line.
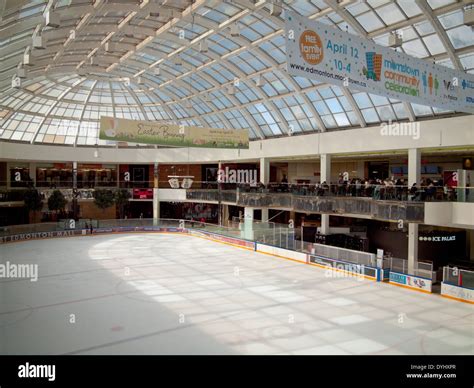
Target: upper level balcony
{"x": 443, "y": 206}
{"x": 378, "y": 202}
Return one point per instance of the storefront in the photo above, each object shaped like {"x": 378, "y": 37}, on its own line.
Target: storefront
{"x": 96, "y": 175}
{"x": 56, "y": 175}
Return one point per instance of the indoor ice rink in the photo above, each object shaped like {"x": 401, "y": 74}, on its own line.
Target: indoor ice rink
{"x": 237, "y": 177}
{"x": 154, "y": 293}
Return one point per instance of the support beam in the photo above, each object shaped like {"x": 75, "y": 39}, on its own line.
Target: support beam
{"x": 443, "y": 36}
{"x": 248, "y": 223}
{"x": 264, "y": 171}
{"x": 156, "y": 202}
{"x": 414, "y": 176}
{"x": 412, "y": 247}
{"x": 414, "y": 166}
{"x": 325, "y": 166}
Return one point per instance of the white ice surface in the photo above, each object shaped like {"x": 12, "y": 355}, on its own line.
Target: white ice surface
{"x": 177, "y": 294}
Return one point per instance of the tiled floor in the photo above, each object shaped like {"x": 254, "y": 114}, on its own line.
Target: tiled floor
{"x": 176, "y": 294}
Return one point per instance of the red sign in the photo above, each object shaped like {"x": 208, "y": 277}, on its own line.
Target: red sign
{"x": 142, "y": 193}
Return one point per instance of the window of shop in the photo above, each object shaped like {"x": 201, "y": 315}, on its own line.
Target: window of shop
{"x": 54, "y": 175}
{"x": 96, "y": 175}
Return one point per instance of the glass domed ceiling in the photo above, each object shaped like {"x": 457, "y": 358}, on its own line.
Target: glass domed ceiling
{"x": 145, "y": 60}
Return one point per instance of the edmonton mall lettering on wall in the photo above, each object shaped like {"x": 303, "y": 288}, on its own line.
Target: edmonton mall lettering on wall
{"x": 325, "y": 53}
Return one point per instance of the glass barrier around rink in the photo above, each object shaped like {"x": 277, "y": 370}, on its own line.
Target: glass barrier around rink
{"x": 344, "y": 254}
{"x": 68, "y": 225}
{"x": 266, "y": 232}
{"x": 458, "y": 277}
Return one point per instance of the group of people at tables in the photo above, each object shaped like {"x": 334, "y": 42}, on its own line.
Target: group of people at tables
{"x": 385, "y": 189}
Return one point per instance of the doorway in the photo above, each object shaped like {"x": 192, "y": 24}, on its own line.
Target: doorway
{"x": 378, "y": 170}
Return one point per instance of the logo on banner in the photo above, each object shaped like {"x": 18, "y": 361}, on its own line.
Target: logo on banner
{"x": 374, "y": 66}
{"x": 448, "y": 85}
{"x": 311, "y": 47}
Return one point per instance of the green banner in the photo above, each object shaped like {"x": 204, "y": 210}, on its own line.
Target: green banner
{"x": 166, "y": 134}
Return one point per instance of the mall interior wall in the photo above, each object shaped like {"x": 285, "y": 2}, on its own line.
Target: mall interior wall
{"x": 448, "y": 132}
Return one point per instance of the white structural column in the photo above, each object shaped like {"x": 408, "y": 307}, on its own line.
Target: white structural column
{"x": 412, "y": 247}
{"x": 156, "y": 201}
{"x": 325, "y": 177}
{"x": 264, "y": 171}
{"x": 248, "y": 223}
{"x": 414, "y": 166}
{"x": 414, "y": 176}
{"x": 265, "y": 179}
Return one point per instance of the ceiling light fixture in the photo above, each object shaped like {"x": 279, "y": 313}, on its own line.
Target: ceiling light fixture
{"x": 16, "y": 82}
{"x": 20, "y": 71}
{"x": 234, "y": 30}
{"x": 468, "y": 17}
{"x": 52, "y": 19}
{"x": 395, "y": 40}
{"x": 39, "y": 42}
{"x": 203, "y": 46}
{"x": 27, "y": 58}
{"x": 275, "y": 8}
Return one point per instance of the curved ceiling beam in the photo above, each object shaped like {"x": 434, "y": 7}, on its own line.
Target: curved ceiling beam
{"x": 88, "y": 96}
{"x": 423, "y": 4}
{"x": 46, "y": 114}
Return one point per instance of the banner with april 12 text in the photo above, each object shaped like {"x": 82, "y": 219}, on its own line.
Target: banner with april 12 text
{"x": 325, "y": 53}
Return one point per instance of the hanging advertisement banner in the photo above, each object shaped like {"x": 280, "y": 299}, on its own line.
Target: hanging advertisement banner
{"x": 148, "y": 132}
{"x": 324, "y": 53}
